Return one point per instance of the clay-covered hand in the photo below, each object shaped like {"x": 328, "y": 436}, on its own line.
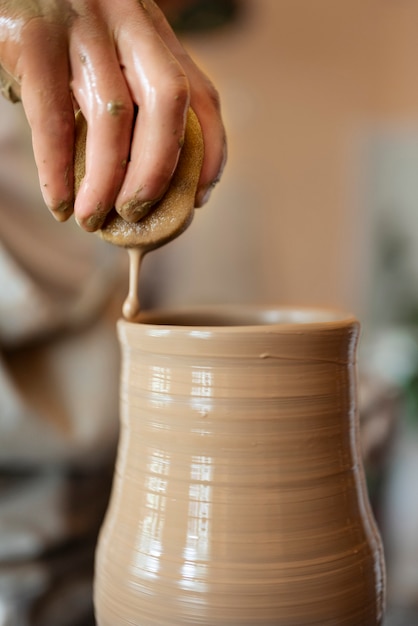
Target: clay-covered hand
{"x": 109, "y": 58}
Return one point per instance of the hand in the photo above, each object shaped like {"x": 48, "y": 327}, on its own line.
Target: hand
{"x": 122, "y": 65}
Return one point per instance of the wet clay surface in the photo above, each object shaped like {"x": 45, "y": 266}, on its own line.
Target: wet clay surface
{"x": 239, "y": 496}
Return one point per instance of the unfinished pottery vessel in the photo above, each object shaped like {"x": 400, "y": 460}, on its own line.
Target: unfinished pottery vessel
{"x": 239, "y": 496}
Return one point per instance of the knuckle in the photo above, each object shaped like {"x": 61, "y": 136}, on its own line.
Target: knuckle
{"x": 119, "y": 107}
{"x": 60, "y": 123}
{"x": 36, "y": 30}
{"x": 175, "y": 87}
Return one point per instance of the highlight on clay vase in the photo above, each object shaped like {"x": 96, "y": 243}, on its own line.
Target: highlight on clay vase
{"x": 239, "y": 496}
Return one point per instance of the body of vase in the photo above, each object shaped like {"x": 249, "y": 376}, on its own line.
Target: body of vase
{"x": 239, "y": 496}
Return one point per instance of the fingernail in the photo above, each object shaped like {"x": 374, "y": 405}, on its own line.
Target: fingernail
{"x": 133, "y": 211}
{"x": 91, "y": 223}
{"x": 203, "y": 195}
{"x": 62, "y": 211}
{"x": 63, "y": 206}
{"x": 94, "y": 222}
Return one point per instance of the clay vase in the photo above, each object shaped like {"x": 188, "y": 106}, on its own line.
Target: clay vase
{"x": 239, "y": 496}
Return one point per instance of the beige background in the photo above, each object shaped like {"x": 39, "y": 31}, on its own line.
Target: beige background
{"x": 304, "y": 86}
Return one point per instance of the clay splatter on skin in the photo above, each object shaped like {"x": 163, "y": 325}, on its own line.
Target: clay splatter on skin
{"x": 67, "y": 172}
{"x": 114, "y": 107}
{"x": 9, "y": 88}
{"x": 143, "y": 5}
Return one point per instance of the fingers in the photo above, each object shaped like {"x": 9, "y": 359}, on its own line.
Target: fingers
{"x": 104, "y": 99}
{"x": 160, "y": 88}
{"x": 204, "y": 100}
{"x": 44, "y": 75}
{"x": 109, "y": 57}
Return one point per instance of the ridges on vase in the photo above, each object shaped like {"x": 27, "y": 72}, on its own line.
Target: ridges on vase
{"x": 239, "y": 495}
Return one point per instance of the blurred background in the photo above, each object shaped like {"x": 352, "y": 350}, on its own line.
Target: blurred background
{"x": 318, "y": 205}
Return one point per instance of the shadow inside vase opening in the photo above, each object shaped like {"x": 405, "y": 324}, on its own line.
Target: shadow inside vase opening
{"x": 230, "y": 316}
